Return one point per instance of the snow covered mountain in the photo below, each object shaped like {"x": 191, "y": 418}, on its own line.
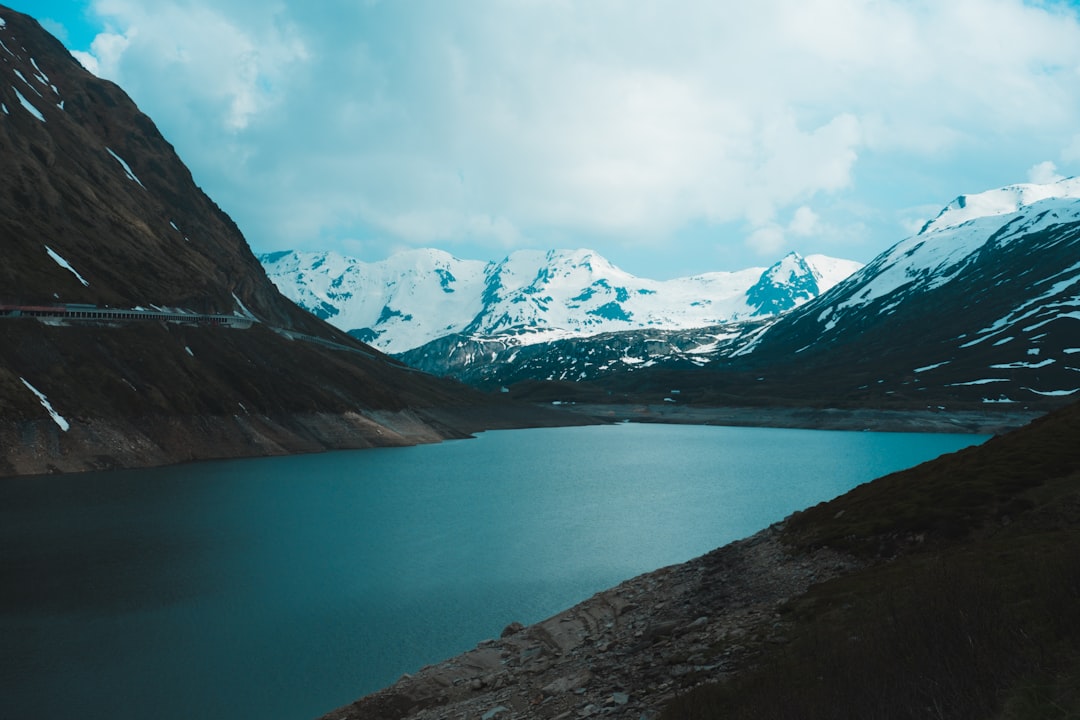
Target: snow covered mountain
{"x": 981, "y": 306}
{"x": 419, "y": 296}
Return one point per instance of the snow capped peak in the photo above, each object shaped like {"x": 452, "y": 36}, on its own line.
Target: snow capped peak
{"x": 417, "y": 296}
{"x": 1001, "y": 201}
{"x": 786, "y": 284}
{"x": 789, "y": 269}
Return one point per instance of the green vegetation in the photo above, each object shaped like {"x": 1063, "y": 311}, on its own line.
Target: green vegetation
{"x": 968, "y": 606}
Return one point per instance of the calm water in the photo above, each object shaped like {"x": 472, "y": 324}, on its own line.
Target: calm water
{"x": 284, "y": 587}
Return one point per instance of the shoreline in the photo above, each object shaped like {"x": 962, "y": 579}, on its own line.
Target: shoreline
{"x": 980, "y": 422}
{"x": 626, "y": 651}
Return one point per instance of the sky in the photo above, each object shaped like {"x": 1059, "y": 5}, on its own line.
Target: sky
{"x": 675, "y": 137}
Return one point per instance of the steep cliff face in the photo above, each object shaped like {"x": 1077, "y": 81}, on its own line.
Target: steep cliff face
{"x": 88, "y": 177}
{"x": 96, "y": 209}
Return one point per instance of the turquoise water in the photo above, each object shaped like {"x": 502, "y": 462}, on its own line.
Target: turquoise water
{"x": 285, "y": 587}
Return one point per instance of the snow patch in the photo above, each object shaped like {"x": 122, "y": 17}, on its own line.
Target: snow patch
{"x": 1008, "y": 366}
{"x": 23, "y": 78}
{"x": 243, "y": 308}
{"x": 1054, "y": 393}
{"x": 987, "y": 381}
{"x": 66, "y": 265}
{"x": 57, "y": 417}
{"x": 188, "y": 351}
{"x": 931, "y": 367}
{"x": 28, "y": 105}
{"x": 41, "y": 76}
{"x": 127, "y": 168}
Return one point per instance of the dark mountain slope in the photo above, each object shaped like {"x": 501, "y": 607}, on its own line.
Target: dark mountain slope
{"x": 966, "y": 607}
{"x": 139, "y": 234}
{"x": 1003, "y": 328}
{"x": 983, "y": 314}
{"x": 97, "y": 209}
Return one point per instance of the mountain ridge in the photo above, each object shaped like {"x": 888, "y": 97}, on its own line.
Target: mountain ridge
{"x": 419, "y": 296}
{"x": 980, "y": 309}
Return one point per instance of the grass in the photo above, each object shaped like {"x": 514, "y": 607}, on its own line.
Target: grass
{"x": 969, "y": 606}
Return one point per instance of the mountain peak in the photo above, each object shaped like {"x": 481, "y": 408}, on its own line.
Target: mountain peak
{"x": 786, "y": 284}
{"x": 417, "y": 297}
{"x": 1000, "y": 201}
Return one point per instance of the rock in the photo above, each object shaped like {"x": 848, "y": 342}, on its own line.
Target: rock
{"x": 493, "y": 712}
{"x": 568, "y": 682}
{"x": 620, "y": 698}
{"x": 511, "y": 629}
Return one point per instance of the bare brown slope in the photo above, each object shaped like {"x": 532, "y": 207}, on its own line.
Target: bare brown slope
{"x": 88, "y": 177}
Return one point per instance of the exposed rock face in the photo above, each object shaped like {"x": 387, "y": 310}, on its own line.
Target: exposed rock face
{"x": 96, "y": 208}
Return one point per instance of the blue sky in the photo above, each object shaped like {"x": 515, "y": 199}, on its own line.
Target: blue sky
{"x": 673, "y": 136}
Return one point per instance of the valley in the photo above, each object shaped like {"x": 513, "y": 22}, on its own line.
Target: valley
{"x": 139, "y": 328}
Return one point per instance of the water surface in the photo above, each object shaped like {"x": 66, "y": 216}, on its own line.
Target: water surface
{"x": 284, "y": 587}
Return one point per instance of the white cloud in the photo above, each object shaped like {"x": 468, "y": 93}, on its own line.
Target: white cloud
{"x": 1044, "y": 173}
{"x": 771, "y": 238}
{"x": 214, "y": 63}
{"x": 87, "y": 60}
{"x": 805, "y": 222}
{"x": 767, "y": 241}
{"x": 105, "y": 54}
{"x": 595, "y": 122}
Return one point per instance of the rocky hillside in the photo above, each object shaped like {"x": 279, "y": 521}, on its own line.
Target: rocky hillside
{"x": 97, "y": 210}
{"x": 947, "y": 590}
{"x": 428, "y": 296}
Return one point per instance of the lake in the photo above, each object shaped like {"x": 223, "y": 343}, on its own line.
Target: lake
{"x": 284, "y": 587}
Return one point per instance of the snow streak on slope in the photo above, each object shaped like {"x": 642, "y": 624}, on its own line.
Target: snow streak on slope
{"x": 416, "y": 297}
{"x": 59, "y": 419}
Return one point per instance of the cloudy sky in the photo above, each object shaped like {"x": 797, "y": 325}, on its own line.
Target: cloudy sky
{"x": 673, "y": 136}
